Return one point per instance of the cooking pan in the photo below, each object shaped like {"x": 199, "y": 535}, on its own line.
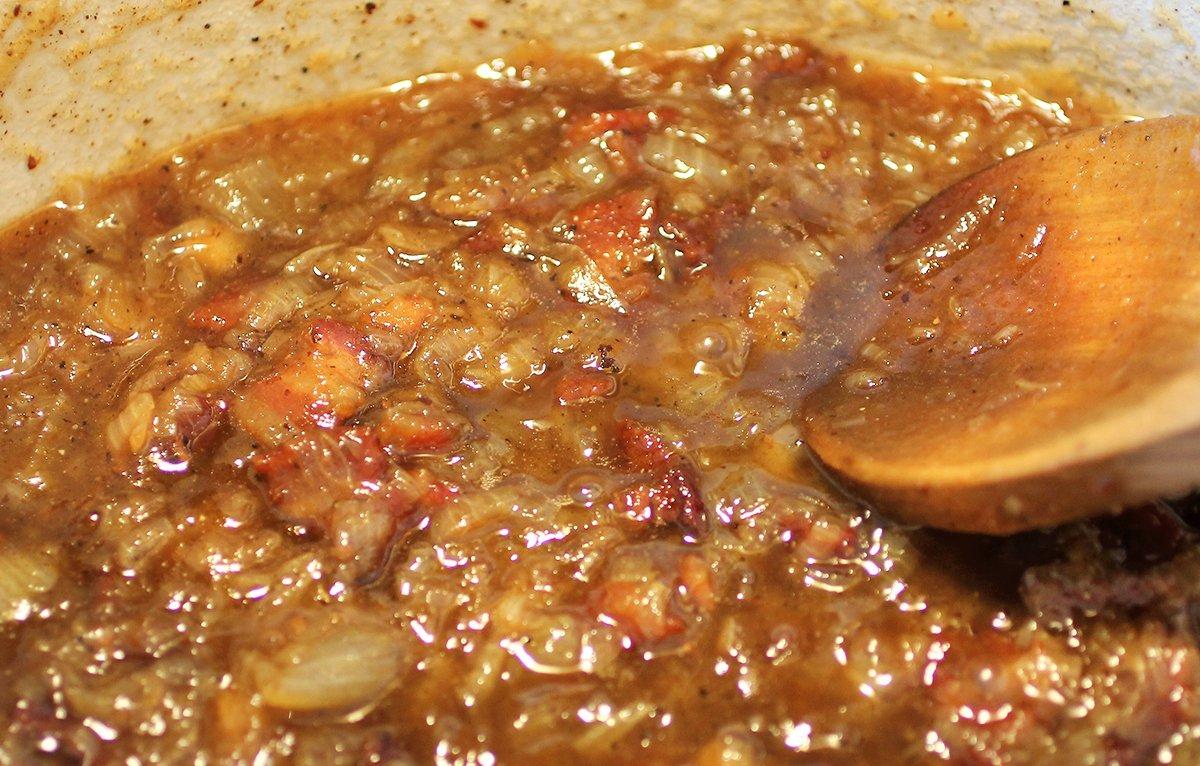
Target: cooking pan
{"x": 90, "y": 86}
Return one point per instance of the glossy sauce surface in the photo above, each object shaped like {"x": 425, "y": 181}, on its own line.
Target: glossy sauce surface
{"x": 458, "y": 424}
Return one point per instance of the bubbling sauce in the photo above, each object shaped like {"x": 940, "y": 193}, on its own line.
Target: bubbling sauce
{"x": 458, "y": 424}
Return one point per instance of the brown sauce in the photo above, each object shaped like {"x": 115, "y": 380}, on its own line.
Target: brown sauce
{"x": 457, "y": 424}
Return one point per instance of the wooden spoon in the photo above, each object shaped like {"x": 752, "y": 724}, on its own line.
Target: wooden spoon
{"x": 1039, "y": 357}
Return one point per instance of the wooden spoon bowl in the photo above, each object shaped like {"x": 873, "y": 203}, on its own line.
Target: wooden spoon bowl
{"x": 1039, "y": 360}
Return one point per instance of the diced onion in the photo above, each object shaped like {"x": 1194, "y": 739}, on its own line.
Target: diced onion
{"x": 24, "y": 575}
{"x": 413, "y": 241}
{"x": 688, "y": 160}
{"x": 346, "y": 667}
{"x": 26, "y": 355}
{"x": 130, "y": 429}
{"x": 588, "y": 168}
{"x": 278, "y": 301}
